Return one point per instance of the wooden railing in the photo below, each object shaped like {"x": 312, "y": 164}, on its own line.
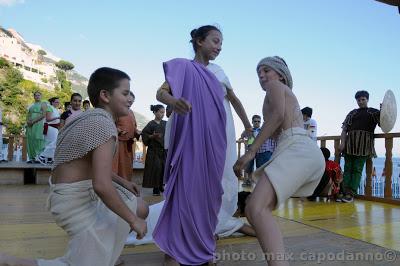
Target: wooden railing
{"x": 13, "y": 142}
{"x": 388, "y": 197}
{"x": 19, "y": 140}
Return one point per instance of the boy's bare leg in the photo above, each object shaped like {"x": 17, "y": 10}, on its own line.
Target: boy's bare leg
{"x": 6, "y": 260}
{"x": 259, "y": 213}
{"x": 247, "y": 230}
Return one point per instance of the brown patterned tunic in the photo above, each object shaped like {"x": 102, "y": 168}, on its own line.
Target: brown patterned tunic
{"x": 360, "y": 125}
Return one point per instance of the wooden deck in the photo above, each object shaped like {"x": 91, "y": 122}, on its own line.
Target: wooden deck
{"x": 313, "y": 232}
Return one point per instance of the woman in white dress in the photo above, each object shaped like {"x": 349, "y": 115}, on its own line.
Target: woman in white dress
{"x": 227, "y": 224}
{"x": 53, "y": 123}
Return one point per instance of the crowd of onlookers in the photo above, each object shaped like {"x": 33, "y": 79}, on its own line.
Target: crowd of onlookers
{"x": 43, "y": 121}
{"x": 45, "y": 118}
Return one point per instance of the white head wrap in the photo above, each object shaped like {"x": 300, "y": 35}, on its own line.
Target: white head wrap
{"x": 279, "y": 65}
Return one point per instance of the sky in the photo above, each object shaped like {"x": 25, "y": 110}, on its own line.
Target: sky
{"x": 333, "y": 48}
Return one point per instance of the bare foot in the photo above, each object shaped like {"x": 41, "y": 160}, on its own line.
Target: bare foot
{"x": 6, "y": 260}
{"x": 247, "y": 230}
{"x": 169, "y": 261}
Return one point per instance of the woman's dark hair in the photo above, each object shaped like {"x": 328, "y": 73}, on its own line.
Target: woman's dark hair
{"x": 362, "y": 94}
{"x": 75, "y": 94}
{"x": 326, "y": 153}
{"x": 200, "y": 34}
{"x": 51, "y": 100}
{"x": 104, "y": 78}
{"x": 155, "y": 108}
{"x": 66, "y": 104}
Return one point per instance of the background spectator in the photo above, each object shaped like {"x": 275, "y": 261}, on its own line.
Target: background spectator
{"x": 309, "y": 124}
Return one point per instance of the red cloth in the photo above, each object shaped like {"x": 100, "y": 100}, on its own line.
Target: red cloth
{"x": 123, "y": 159}
{"x": 334, "y": 172}
{"x": 45, "y": 128}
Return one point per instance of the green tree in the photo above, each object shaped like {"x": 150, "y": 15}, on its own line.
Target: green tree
{"x": 16, "y": 95}
{"x": 64, "y": 88}
{"x": 42, "y": 52}
{"x": 65, "y": 65}
{"x": 12, "y": 96}
{"x": 4, "y": 63}
{"x": 9, "y": 86}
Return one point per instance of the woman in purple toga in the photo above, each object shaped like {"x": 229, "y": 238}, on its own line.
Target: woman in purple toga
{"x": 196, "y": 154}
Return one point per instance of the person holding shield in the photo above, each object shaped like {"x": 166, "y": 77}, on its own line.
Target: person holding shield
{"x": 357, "y": 143}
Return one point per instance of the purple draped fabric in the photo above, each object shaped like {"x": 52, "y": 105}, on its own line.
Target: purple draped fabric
{"x": 194, "y": 167}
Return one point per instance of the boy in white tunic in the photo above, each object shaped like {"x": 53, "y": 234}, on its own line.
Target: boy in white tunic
{"x": 296, "y": 166}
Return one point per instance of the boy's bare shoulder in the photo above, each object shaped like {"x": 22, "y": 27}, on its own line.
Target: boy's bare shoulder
{"x": 276, "y": 85}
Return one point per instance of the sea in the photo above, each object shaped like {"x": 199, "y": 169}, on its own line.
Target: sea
{"x": 378, "y": 180}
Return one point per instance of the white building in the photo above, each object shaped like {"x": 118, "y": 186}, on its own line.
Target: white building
{"x": 25, "y": 57}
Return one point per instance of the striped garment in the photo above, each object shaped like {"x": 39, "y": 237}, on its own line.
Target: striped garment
{"x": 360, "y": 143}
{"x": 268, "y": 145}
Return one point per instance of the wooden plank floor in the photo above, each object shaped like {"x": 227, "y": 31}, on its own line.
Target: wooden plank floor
{"x": 311, "y": 230}
{"x": 373, "y": 222}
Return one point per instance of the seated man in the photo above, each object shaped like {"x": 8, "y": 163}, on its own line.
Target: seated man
{"x": 330, "y": 183}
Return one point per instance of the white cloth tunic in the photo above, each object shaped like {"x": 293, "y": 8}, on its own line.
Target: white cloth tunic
{"x": 227, "y": 224}
{"x": 296, "y": 166}
{"x": 97, "y": 235}
{"x": 51, "y": 136}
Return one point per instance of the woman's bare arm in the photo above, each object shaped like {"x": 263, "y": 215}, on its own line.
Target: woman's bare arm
{"x": 239, "y": 109}
{"x": 180, "y": 106}
{"x": 48, "y": 117}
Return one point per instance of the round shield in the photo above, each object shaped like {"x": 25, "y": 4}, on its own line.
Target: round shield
{"x": 388, "y": 112}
